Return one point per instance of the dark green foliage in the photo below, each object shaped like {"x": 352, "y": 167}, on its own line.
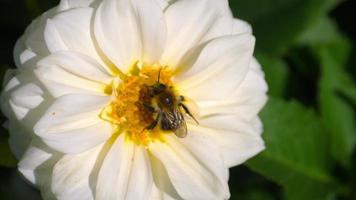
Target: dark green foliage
{"x": 296, "y": 154}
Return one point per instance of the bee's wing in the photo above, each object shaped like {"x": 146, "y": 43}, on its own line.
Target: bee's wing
{"x": 181, "y": 131}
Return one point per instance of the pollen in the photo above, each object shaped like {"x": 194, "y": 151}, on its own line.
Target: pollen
{"x": 129, "y": 110}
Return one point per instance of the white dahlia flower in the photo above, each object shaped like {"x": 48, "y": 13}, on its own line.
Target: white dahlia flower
{"x": 134, "y": 99}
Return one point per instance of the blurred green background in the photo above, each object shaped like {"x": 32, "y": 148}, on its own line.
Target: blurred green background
{"x": 307, "y": 50}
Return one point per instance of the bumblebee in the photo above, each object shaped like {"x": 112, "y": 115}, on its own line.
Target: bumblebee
{"x": 170, "y": 109}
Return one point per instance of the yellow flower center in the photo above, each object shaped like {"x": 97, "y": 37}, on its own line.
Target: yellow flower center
{"x": 132, "y": 108}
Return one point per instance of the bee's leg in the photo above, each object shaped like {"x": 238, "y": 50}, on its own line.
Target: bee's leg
{"x": 181, "y": 99}
{"x": 154, "y": 123}
{"x": 149, "y": 108}
{"x": 185, "y": 108}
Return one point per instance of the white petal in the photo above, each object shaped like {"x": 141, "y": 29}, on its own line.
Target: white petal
{"x": 130, "y": 31}
{"x": 240, "y": 26}
{"x": 237, "y": 139}
{"x": 219, "y": 69}
{"x": 21, "y": 95}
{"x": 255, "y": 66}
{"x": 18, "y": 49}
{"x": 33, "y": 158}
{"x": 25, "y": 98}
{"x": 71, "y": 31}
{"x": 36, "y": 166}
{"x": 11, "y": 80}
{"x": 69, "y": 72}
{"x": 72, "y": 123}
{"x": 12, "y": 83}
{"x": 125, "y": 173}
{"x": 24, "y": 52}
{"x": 158, "y": 194}
{"x": 35, "y": 43}
{"x": 23, "y": 102}
{"x": 141, "y": 180}
{"x": 152, "y": 27}
{"x": 68, "y": 4}
{"x": 192, "y": 178}
{"x": 28, "y": 55}
{"x": 258, "y": 124}
{"x": 20, "y": 138}
{"x": 163, "y": 3}
{"x": 224, "y": 24}
{"x": 187, "y": 24}
{"x": 8, "y": 75}
{"x": 162, "y": 188}
{"x": 33, "y": 37}
{"x": 37, "y": 162}
{"x": 71, "y": 175}
{"x": 212, "y": 159}
{"x": 246, "y": 101}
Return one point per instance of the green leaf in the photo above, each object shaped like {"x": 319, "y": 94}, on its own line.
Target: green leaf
{"x": 337, "y": 113}
{"x": 7, "y": 159}
{"x": 296, "y": 154}
{"x": 278, "y": 24}
{"x": 254, "y": 194}
{"x": 276, "y": 74}
{"x": 323, "y": 30}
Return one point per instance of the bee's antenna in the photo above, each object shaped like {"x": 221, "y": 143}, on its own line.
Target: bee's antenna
{"x": 159, "y": 75}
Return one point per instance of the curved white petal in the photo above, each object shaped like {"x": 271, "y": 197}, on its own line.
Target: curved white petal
{"x": 224, "y": 24}
{"x": 24, "y": 99}
{"x": 141, "y": 171}
{"x": 255, "y": 66}
{"x": 158, "y": 194}
{"x": 212, "y": 159}
{"x": 238, "y": 139}
{"x": 26, "y": 56}
{"x": 163, "y": 3}
{"x": 68, "y": 4}
{"x": 193, "y": 178}
{"x": 162, "y": 188}
{"x": 33, "y": 37}
{"x": 23, "y": 90}
{"x": 19, "y": 139}
{"x": 258, "y": 124}
{"x": 152, "y": 27}
{"x": 36, "y": 166}
{"x": 32, "y": 44}
{"x": 130, "y": 31}
{"x": 246, "y": 101}
{"x": 18, "y": 49}
{"x": 11, "y": 83}
{"x": 188, "y": 22}
{"x": 70, "y": 72}
{"x": 71, "y": 175}
{"x": 125, "y": 173}
{"x": 37, "y": 162}
{"x": 72, "y": 123}
{"x": 240, "y": 26}
{"x": 23, "y": 102}
{"x": 220, "y": 68}
{"x": 71, "y": 31}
